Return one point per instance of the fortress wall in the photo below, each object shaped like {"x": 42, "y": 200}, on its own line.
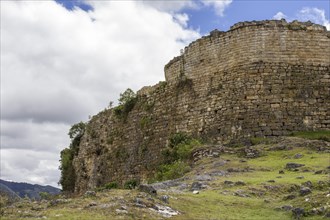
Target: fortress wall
{"x": 258, "y": 79}
{"x": 276, "y": 42}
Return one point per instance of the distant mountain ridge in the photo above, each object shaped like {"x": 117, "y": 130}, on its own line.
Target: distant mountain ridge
{"x": 22, "y": 190}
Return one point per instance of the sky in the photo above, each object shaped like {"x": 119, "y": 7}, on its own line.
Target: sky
{"x": 64, "y": 61}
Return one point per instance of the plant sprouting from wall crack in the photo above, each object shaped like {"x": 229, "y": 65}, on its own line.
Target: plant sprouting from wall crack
{"x": 127, "y": 101}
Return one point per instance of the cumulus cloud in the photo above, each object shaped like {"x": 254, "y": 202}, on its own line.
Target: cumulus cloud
{"x": 182, "y": 19}
{"x": 173, "y": 5}
{"x": 279, "y": 15}
{"x": 219, "y": 6}
{"x": 29, "y": 166}
{"x": 315, "y": 15}
{"x": 33, "y": 136}
{"x": 58, "y": 66}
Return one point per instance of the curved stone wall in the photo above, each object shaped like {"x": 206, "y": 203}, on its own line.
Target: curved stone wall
{"x": 266, "y": 78}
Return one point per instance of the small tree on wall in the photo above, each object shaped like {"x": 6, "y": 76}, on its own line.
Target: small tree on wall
{"x": 126, "y": 96}
{"x": 127, "y": 102}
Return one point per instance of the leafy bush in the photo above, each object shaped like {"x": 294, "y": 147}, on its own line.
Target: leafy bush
{"x": 172, "y": 171}
{"x": 68, "y": 175}
{"x": 184, "y": 150}
{"x": 178, "y": 138}
{"x": 131, "y": 184}
{"x": 45, "y": 195}
{"x": 111, "y": 185}
{"x": 176, "y": 157}
{"x": 180, "y": 147}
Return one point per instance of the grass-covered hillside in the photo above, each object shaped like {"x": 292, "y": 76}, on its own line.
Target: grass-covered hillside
{"x": 279, "y": 178}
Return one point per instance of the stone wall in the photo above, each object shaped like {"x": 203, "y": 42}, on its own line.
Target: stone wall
{"x": 266, "y": 78}
{"x": 249, "y": 42}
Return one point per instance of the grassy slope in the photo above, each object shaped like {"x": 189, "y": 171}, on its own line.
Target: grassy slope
{"x": 218, "y": 201}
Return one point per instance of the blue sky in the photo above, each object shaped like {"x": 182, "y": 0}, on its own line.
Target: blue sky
{"x": 71, "y": 58}
{"x": 206, "y": 19}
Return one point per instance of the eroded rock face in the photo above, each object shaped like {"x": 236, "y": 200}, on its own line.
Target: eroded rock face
{"x": 265, "y": 78}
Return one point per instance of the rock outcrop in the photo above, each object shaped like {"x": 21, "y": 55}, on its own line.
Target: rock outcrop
{"x": 258, "y": 79}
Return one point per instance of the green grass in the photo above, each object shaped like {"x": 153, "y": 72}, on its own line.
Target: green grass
{"x": 313, "y": 135}
{"x": 218, "y": 202}
{"x": 214, "y": 205}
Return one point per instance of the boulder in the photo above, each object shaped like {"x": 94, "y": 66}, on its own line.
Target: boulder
{"x": 90, "y": 193}
{"x": 293, "y": 165}
{"x": 305, "y": 191}
{"x": 228, "y": 182}
{"x": 197, "y": 186}
{"x": 148, "y": 189}
{"x": 307, "y": 184}
{"x": 289, "y": 197}
{"x": 165, "y": 198}
{"x": 298, "y": 212}
{"x": 240, "y": 183}
{"x": 287, "y": 207}
{"x": 297, "y": 156}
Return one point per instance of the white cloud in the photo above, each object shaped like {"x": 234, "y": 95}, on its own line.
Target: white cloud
{"x": 46, "y": 136}
{"x": 30, "y": 166}
{"x": 279, "y": 15}
{"x": 59, "y": 66}
{"x": 219, "y": 5}
{"x": 172, "y": 5}
{"x": 315, "y": 15}
{"x": 182, "y": 19}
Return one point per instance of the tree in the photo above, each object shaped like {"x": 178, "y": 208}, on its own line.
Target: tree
{"x": 127, "y": 102}
{"x": 77, "y": 130}
{"x": 68, "y": 175}
{"x": 110, "y": 104}
{"x": 126, "y": 96}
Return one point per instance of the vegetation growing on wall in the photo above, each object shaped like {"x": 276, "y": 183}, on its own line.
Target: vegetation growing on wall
{"x": 127, "y": 101}
{"x": 180, "y": 147}
{"x": 145, "y": 122}
{"x": 68, "y": 174}
{"x": 176, "y": 157}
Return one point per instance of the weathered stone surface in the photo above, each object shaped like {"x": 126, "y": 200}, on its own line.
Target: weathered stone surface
{"x": 148, "y": 189}
{"x": 90, "y": 193}
{"x": 287, "y": 207}
{"x": 197, "y": 186}
{"x": 305, "y": 191}
{"x": 298, "y": 212}
{"x": 293, "y": 165}
{"x": 298, "y": 156}
{"x": 165, "y": 198}
{"x": 258, "y": 79}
